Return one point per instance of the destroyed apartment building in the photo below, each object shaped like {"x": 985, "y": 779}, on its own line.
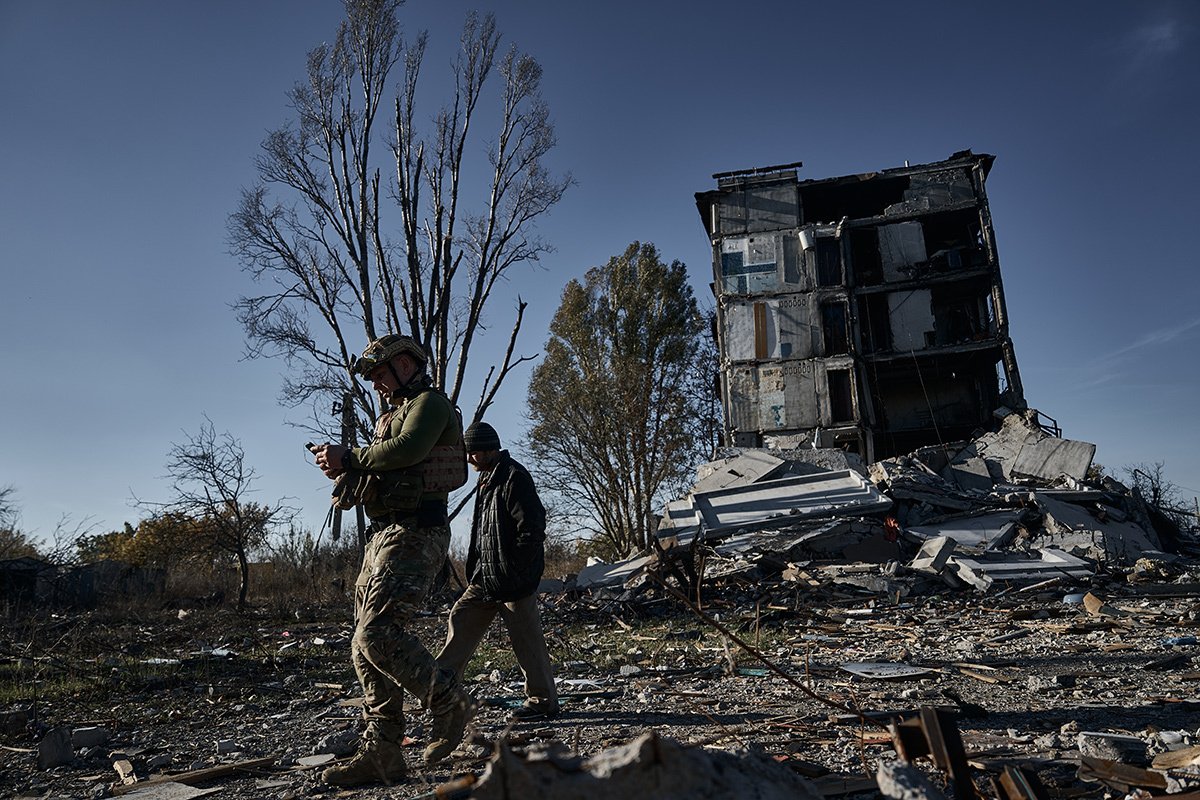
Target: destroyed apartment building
{"x": 873, "y": 408}
{"x": 864, "y": 312}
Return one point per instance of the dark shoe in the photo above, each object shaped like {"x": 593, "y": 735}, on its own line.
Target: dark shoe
{"x": 535, "y": 711}
{"x": 377, "y": 761}
{"x": 448, "y": 728}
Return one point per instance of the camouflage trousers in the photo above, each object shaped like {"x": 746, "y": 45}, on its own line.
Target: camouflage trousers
{"x": 399, "y": 566}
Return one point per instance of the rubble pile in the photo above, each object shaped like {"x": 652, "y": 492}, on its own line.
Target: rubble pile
{"x": 1008, "y": 508}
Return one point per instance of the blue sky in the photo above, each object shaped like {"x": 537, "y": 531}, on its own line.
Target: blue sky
{"x": 130, "y": 127}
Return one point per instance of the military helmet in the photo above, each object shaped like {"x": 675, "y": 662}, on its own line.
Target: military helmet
{"x": 385, "y": 348}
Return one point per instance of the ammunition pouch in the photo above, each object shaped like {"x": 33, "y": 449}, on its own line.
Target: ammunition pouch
{"x": 446, "y": 467}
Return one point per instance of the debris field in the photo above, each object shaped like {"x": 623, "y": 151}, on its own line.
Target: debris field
{"x": 982, "y": 620}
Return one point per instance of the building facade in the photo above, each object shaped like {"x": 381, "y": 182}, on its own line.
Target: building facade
{"x": 864, "y": 312}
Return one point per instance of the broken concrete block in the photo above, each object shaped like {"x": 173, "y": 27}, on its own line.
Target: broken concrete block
{"x": 125, "y": 771}
{"x": 1047, "y": 683}
{"x": 55, "y": 749}
{"x": 902, "y": 781}
{"x": 1077, "y": 529}
{"x": 933, "y": 555}
{"x": 647, "y": 765}
{"x": 89, "y": 737}
{"x": 1018, "y": 569}
{"x": 159, "y": 761}
{"x": 1112, "y": 747}
{"x": 339, "y": 743}
{"x": 976, "y": 532}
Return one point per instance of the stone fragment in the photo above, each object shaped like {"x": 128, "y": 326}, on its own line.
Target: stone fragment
{"x": 1112, "y": 746}
{"x": 902, "y": 781}
{"x": 339, "y": 743}
{"x": 89, "y": 737}
{"x": 160, "y": 761}
{"x": 55, "y": 749}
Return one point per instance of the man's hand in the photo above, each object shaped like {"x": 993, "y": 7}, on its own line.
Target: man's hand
{"x": 331, "y": 459}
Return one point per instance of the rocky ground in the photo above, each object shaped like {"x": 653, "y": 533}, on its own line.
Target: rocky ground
{"x": 1022, "y": 671}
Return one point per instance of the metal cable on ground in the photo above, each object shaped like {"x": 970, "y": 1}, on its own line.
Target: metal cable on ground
{"x": 754, "y": 652}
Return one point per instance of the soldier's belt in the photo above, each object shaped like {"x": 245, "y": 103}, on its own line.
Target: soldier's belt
{"x": 428, "y": 514}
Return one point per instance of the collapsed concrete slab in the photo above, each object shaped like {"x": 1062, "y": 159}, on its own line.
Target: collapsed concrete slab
{"x": 649, "y": 766}
{"x": 1011, "y": 568}
{"x": 747, "y": 466}
{"x": 1095, "y": 531}
{"x": 975, "y": 533}
{"x": 848, "y": 540}
{"x": 1019, "y": 450}
{"x": 599, "y": 574}
{"x": 776, "y": 502}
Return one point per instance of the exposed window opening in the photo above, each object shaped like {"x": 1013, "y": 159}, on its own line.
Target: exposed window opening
{"x": 864, "y": 257}
{"x": 841, "y": 398}
{"x": 829, "y": 261}
{"x": 875, "y": 322}
{"x": 833, "y": 328}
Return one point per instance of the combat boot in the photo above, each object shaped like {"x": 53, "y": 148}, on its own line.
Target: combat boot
{"x": 379, "y": 759}
{"x": 448, "y": 727}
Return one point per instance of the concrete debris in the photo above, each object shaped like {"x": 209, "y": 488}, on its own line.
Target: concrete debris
{"x": 902, "y": 781}
{"x": 90, "y": 736}
{"x": 599, "y": 574}
{"x": 171, "y": 791}
{"x": 630, "y": 770}
{"x": 55, "y": 748}
{"x": 1016, "y": 569}
{"x": 737, "y": 470}
{"x": 1010, "y": 508}
{"x": 1113, "y": 746}
{"x": 768, "y": 504}
{"x": 880, "y": 671}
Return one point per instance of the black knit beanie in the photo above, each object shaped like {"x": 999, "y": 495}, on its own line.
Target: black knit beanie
{"x": 481, "y": 437}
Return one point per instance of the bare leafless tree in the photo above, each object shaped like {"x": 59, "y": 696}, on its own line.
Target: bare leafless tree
{"x": 339, "y": 263}
{"x": 8, "y": 507}
{"x": 211, "y": 486}
{"x": 1149, "y": 481}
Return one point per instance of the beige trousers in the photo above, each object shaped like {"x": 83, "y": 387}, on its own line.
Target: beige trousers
{"x": 469, "y": 621}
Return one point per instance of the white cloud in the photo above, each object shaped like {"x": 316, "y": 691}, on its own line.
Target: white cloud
{"x": 1146, "y": 47}
{"x": 1106, "y": 367}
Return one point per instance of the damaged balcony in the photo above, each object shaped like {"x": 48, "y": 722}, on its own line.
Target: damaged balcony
{"x": 863, "y": 312}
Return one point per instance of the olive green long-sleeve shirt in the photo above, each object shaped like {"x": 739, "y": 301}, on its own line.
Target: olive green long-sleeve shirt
{"x": 403, "y": 439}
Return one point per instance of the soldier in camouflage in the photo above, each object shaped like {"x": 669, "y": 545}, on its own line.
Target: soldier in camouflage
{"x": 402, "y": 480}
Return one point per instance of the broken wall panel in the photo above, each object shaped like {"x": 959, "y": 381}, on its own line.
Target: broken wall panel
{"x": 1093, "y": 532}
{"x": 771, "y": 205}
{"x": 911, "y": 315}
{"x": 901, "y": 247}
{"x": 771, "y": 328}
{"x": 792, "y": 395}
